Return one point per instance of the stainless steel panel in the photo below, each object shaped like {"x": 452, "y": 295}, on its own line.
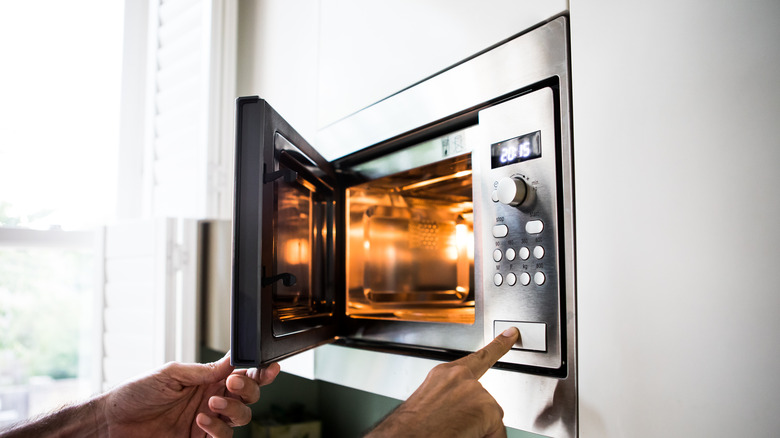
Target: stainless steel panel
{"x": 534, "y": 223}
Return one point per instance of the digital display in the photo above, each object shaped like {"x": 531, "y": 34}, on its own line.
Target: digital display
{"x": 516, "y": 150}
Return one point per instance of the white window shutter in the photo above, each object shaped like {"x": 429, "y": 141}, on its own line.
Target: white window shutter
{"x": 190, "y": 94}
{"x": 149, "y": 306}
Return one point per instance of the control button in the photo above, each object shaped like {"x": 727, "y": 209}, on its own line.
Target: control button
{"x": 510, "y": 254}
{"x": 539, "y": 278}
{"x": 534, "y": 227}
{"x": 494, "y": 196}
{"x": 511, "y": 279}
{"x": 500, "y": 230}
{"x": 498, "y": 279}
{"x": 511, "y": 191}
{"x": 538, "y": 252}
{"x": 525, "y": 279}
{"x": 533, "y": 335}
{"x": 497, "y": 255}
{"x": 524, "y": 253}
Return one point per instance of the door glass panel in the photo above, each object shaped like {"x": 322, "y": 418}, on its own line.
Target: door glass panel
{"x": 304, "y": 251}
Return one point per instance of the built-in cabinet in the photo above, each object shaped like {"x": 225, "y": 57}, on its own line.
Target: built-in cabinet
{"x": 678, "y": 194}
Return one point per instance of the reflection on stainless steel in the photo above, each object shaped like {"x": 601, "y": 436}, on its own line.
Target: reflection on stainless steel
{"x": 431, "y": 151}
{"x": 446, "y": 178}
{"x": 410, "y": 245}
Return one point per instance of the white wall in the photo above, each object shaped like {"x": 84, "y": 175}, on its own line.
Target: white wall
{"x": 370, "y": 50}
{"x": 277, "y": 57}
{"x": 678, "y": 196}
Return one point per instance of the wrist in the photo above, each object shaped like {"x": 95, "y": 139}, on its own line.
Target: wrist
{"x": 82, "y": 420}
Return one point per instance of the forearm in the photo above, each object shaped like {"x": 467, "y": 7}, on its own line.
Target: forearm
{"x": 399, "y": 422}
{"x": 79, "y": 420}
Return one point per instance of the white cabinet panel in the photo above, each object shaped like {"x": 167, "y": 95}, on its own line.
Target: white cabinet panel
{"x": 277, "y": 58}
{"x": 370, "y": 50}
{"x": 675, "y": 140}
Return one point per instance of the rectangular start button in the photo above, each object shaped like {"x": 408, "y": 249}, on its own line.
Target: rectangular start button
{"x": 533, "y": 335}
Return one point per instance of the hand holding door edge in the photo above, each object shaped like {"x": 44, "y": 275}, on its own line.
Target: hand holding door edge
{"x": 451, "y": 401}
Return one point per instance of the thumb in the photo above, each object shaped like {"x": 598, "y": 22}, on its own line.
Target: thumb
{"x": 215, "y": 371}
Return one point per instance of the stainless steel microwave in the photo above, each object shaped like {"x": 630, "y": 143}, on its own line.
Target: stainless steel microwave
{"x": 424, "y": 224}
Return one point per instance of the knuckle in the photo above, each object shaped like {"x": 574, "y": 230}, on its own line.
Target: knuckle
{"x": 440, "y": 370}
{"x": 463, "y": 372}
{"x": 171, "y": 369}
{"x": 243, "y": 417}
{"x": 492, "y": 410}
{"x": 457, "y": 371}
{"x": 483, "y": 354}
{"x": 224, "y": 431}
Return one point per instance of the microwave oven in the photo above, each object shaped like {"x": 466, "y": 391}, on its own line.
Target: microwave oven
{"x": 422, "y": 225}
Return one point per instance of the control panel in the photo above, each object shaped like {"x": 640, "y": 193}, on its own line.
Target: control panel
{"x": 519, "y": 215}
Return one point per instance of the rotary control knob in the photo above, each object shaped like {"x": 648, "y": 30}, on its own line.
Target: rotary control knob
{"x": 512, "y": 191}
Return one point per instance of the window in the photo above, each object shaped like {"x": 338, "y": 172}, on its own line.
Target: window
{"x": 59, "y": 120}
{"x": 46, "y": 321}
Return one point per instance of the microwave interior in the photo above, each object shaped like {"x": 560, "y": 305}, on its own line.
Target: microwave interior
{"x": 410, "y": 245}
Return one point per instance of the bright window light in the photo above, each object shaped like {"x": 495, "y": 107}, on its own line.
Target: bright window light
{"x": 59, "y": 119}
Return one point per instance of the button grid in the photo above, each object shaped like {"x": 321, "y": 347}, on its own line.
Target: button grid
{"x": 526, "y": 276}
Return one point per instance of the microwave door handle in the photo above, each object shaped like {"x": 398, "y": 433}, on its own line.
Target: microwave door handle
{"x": 287, "y": 279}
{"x": 289, "y": 175}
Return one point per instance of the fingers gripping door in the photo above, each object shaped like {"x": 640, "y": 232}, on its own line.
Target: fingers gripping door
{"x": 284, "y": 240}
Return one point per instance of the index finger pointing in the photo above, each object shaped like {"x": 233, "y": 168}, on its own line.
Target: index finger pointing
{"x": 480, "y": 361}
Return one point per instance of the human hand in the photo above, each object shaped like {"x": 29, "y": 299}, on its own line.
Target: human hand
{"x": 451, "y": 401}
{"x": 185, "y": 400}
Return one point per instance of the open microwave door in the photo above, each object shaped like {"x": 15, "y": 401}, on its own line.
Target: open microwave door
{"x": 284, "y": 241}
